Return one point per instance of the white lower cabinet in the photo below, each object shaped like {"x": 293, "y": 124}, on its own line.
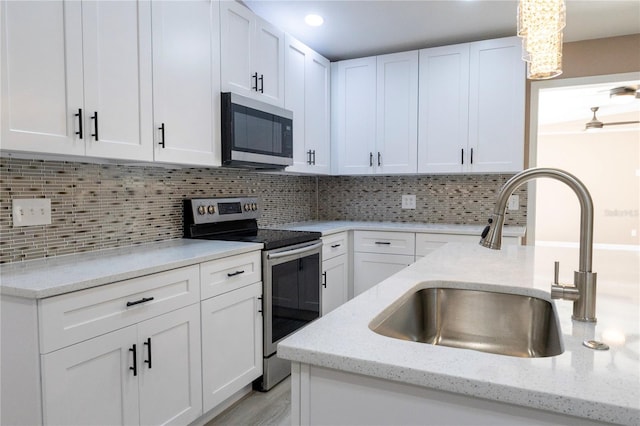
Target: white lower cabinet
{"x": 335, "y": 277}
{"x": 370, "y": 269}
{"x": 146, "y": 373}
{"x": 231, "y": 343}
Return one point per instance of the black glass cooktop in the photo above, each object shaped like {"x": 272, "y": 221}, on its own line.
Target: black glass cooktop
{"x": 271, "y": 238}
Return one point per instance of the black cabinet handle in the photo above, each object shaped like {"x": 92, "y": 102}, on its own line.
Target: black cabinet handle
{"x": 161, "y": 128}
{"x": 471, "y": 155}
{"x": 260, "y": 299}
{"x": 261, "y": 83}
{"x": 233, "y": 274}
{"x": 255, "y": 79}
{"x": 379, "y": 159}
{"x": 462, "y": 156}
{"x": 309, "y": 157}
{"x": 148, "y": 345}
{"x": 80, "y": 133}
{"x": 371, "y": 159}
{"x": 314, "y": 157}
{"x": 94, "y": 117}
{"x": 137, "y": 302}
{"x": 135, "y": 361}
{"x": 336, "y": 245}
{"x": 324, "y": 279}
{"x": 383, "y": 243}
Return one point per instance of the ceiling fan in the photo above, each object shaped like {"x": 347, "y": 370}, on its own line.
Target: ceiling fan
{"x": 595, "y": 124}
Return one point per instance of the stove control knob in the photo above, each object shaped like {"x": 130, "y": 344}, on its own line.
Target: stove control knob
{"x": 246, "y": 207}
{"x": 201, "y": 210}
{"x": 254, "y": 207}
{"x": 211, "y": 209}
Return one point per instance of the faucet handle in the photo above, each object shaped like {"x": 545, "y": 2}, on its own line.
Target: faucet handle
{"x": 556, "y": 272}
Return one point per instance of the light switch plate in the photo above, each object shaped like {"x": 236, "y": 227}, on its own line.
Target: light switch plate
{"x": 408, "y": 201}
{"x": 31, "y": 211}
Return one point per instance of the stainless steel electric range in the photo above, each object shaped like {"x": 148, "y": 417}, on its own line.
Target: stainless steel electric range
{"x": 291, "y": 270}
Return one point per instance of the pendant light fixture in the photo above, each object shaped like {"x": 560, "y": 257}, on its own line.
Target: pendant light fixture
{"x": 540, "y": 24}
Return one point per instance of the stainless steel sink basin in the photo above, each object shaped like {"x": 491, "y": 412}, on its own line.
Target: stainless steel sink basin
{"x": 482, "y": 320}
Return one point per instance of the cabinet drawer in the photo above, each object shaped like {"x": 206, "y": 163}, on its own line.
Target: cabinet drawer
{"x": 230, "y": 273}
{"x": 426, "y": 243}
{"x": 334, "y": 245}
{"x": 384, "y": 242}
{"x": 81, "y": 315}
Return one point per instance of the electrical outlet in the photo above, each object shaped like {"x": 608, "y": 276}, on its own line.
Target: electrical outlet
{"x": 31, "y": 211}
{"x": 408, "y": 201}
{"x": 514, "y": 202}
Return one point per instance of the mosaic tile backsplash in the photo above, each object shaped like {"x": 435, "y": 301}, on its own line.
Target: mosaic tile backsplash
{"x": 105, "y": 206}
{"x": 454, "y": 199}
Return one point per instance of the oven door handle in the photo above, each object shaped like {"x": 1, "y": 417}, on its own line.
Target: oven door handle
{"x": 278, "y": 255}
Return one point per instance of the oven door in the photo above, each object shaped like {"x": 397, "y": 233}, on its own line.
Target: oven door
{"x": 292, "y": 280}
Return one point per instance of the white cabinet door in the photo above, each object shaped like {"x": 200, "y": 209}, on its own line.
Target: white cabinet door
{"x": 370, "y": 269}
{"x": 444, "y": 109}
{"x": 41, "y": 76}
{"x": 335, "y": 277}
{"x": 236, "y": 43}
{"x": 92, "y": 383}
{"x": 186, "y": 82}
{"x": 355, "y": 116}
{"x": 307, "y": 94}
{"x": 252, "y": 54}
{"x": 497, "y": 103}
{"x": 268, "y": 60}
{"x": 231, "y": 343}
{"x": 116, "y": 39}
{"x": 170, "y": 381}
{"x": 397, "y": 113}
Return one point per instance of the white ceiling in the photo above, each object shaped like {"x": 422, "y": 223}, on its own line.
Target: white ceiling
{"x": 357, "y": 28}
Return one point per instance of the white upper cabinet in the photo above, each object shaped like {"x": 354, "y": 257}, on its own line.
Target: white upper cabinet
{"x": 444, "y": 108}
{"x": 397, "y": 113}
{"x": 497, "y": 105}
{"x": 252, "y": 54}
{"x": 186, "y": 81}
{"x": 38, "y": 106}
{"x": 354, "y": 116}
{"x": 307, "y": 94}
{"x": 76, "y": 78}
{"x": 471, "y": 108}
{"x": 376, "y": 102}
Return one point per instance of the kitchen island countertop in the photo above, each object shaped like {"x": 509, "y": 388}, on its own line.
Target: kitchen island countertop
{"x": 598, "y": 385}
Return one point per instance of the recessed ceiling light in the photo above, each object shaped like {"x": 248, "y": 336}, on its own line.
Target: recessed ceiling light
{"x": 314, "y": 20}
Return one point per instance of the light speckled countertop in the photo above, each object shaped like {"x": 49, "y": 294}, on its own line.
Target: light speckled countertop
{"x": 335, "y": 226}
{"x": 37, "y": 279}
{"x": 600, "y": 385}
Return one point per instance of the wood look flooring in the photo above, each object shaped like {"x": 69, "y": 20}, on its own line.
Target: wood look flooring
{"x": 259, "y": 408}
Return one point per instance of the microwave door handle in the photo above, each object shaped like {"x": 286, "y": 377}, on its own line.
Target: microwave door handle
{"x": 295, "y": 251}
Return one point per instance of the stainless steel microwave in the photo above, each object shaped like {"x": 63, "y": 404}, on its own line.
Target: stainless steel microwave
{"x": 255, "y": 134}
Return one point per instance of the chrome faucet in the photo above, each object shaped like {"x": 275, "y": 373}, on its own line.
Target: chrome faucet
{"x": 583, "y": 290}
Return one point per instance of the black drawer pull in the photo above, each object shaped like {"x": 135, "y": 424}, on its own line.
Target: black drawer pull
{"x": 383, "y": 243}
{"x": 233, "y": 274}
{"x": 148, "y": 345}
{"x": 324, "y": 279}
{"x": 135, "y": 361}
{"x": 137, "y": 302}
{"x": 336, "y": 245}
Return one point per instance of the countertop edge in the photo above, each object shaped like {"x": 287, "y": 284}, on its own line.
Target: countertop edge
{"x": 560, "y": 404}
{"x": 26, "y": 293}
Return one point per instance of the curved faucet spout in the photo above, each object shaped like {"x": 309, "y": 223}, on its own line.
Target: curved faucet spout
{"x": 584, "y": 278}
